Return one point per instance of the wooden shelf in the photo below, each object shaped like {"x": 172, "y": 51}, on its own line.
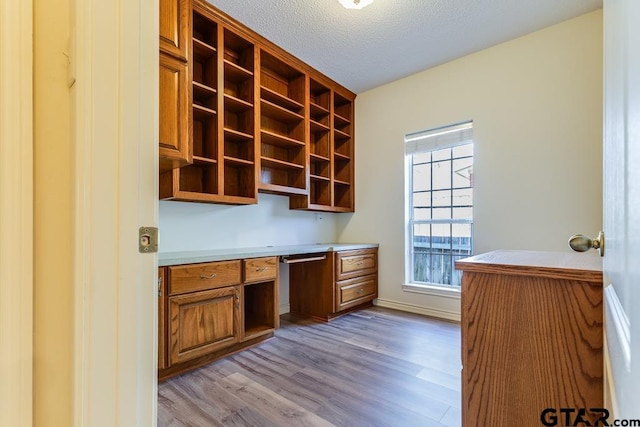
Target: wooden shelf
{"x": 202, "y": 49}
{"x": 340, "y": 121}
{"x": 238, "y": 161}
{"x": 236, "y": 135}
{"x": 319, "y": 178}
{"x": 279, "y": 113}
{"x": 279, "y": 164}
{"x": 272, "y": 138}
{"x": 318, "y": 109}
{"x": 340, "y": 134}
{"x": 204, "y": 160}
{"x": 236, "y": 72}
{"x": 203, "y": 89}
{"x": 282, "y": 189}
{"x": 235, "y": 104}
{"x": 318, "y": 127}
{"x": 345, "y": 183}
{"x": 340, "y": 156}
{"x": 202, "y": 112}
{"x": 318, "y": 158}
{"x": 279, "y": 99}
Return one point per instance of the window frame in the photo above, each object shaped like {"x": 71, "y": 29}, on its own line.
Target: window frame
{"x": 410, "y": 285}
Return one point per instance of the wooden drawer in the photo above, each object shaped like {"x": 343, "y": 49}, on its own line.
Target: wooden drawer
{"x": 352, "y": 292}
{"x": 258, "y": 269}
{"x": 357, "y": 263}
{"x": 200, "y": 277}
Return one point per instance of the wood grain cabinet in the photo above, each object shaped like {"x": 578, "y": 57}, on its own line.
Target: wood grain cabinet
{"x": 246, "y": 116}
{"x": 531, "y": 336}
{"x": 174, "y": 93}
{"x": 209, "y": 310}
{"x": 175, "y": 27}
{"x": 330, "y": 287}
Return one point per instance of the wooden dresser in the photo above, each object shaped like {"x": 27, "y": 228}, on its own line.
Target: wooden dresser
{"x": 532, "y": 336}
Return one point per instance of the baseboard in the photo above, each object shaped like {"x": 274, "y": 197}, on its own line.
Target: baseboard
{"x": 284, "y": 308}
{"x": 418, "y": 309}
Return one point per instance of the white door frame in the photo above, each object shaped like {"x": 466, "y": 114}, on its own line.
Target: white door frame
{"x": 114, "y": 58}
{"x": 16, "y": 213}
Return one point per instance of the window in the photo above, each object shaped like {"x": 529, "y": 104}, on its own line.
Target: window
{"x": 440, "y": 203}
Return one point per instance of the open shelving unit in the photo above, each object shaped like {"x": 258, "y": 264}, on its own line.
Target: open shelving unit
{"x": 259, "y": 315}
{"x": 223, "y": 125}
{"x": 282, "y": 127}
{"x": 330, "y": 152}
{"x": 256, "y": 120}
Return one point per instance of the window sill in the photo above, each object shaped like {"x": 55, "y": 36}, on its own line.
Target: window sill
{"x": 440, "y": 291}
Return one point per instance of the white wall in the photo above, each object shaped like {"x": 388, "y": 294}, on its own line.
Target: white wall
{"x": 536, "y": 103}
{"x": 197, "y": 226}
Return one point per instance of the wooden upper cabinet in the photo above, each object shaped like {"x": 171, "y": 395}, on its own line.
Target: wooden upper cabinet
{"x": 175, "y": 27}
{"x": 175, "y": 113}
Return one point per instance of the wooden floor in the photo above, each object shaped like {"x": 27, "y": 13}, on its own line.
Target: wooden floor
{"x": 375, "y": 367}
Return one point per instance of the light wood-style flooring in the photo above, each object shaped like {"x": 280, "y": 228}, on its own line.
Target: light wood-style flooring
{"x": 375, "y": 367}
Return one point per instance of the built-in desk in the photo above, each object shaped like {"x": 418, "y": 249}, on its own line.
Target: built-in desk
{"x": 215, "y": 302}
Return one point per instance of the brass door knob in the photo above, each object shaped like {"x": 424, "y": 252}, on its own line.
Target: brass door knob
{"x": 582, "y": 243}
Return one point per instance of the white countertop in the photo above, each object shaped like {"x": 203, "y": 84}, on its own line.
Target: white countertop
{"x": 192, "y": 257}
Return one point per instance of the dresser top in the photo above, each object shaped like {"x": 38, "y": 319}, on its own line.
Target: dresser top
{"x": 555, "y": 265}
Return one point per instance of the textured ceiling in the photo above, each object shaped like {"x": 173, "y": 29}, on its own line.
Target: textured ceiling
{"x": 391, "y": 39}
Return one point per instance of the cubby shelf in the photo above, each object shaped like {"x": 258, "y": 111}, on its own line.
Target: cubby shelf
{"x": 279, "y": 99}
{"x": 280, "y": 140}
{"x": 203, "y": 49}
{"x": 279, "y": 113}
{"x": 279, "y": 164}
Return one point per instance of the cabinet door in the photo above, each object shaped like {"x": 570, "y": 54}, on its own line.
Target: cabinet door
{"x": 203, "y": 322}
{"x": 175, "y": 27}
{"x": 175, "y": 113}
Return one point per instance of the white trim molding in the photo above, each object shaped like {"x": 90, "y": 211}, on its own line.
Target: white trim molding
{"x": 617, "y": 318}
{"x": 439, "y": 291}
{"x": 418, "y": 309}
{"x": 16, "y": 213}
{"x": 114, "y": 53}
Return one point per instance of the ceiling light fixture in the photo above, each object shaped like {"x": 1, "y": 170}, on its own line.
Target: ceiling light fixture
{"x": 355, "y": 4}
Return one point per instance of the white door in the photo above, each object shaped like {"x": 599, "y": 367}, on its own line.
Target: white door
{"x": 622, "y": 203}
{"x": 114, "y": 59}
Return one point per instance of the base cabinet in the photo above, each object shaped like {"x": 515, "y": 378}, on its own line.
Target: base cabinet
{"x": 531, "y": 337}
{"x": 327, "y": 288}
{"x": 203, "y": 322}
{"x": 209, "y": 310}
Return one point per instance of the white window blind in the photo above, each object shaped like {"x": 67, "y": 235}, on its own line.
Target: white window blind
{"x": 436, "y": 139}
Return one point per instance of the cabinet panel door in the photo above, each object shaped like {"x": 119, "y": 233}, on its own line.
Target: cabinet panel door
{"x": 175, "y": 113}
{"x": 203, "y": 322}
{"x": 175, "y": 27}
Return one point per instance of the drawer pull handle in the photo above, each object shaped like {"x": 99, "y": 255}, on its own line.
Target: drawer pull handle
{"x": 360, "y": 291}
{"x": 211, "y": 276}
{"x": 359, "y": 263}
{"x": 261, "y": 268}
